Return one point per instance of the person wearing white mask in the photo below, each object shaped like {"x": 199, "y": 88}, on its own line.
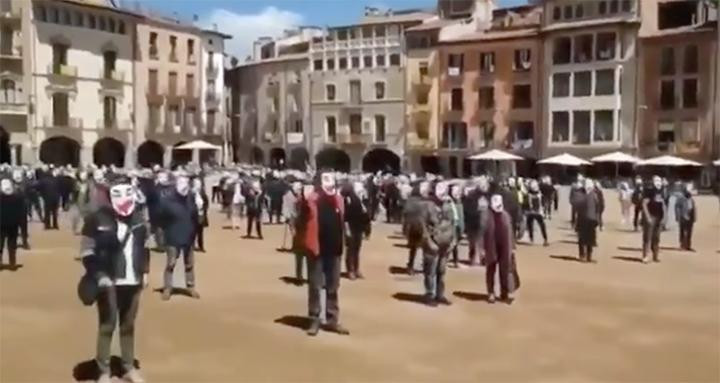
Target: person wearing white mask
{"x": 587, "y": 209}
{"x": 322, "y": 241}
{"x": 534, "y": 212}
{"x": 499, "y": 252}
{"x": 114, "y": 254}
{"x": 357, "y": 226}
{"x": 12, "y": 213}
{"x": 414, "y": 222}
{"x": 456, "y": 194}
{"x": 201, "y": 202}
{"x": 654, "y": 214}
{"x": 20, "y": 186}
{"x": 178, "y": 215}
{"x": 686, "y": 214}
{"x": 254, "y": 204}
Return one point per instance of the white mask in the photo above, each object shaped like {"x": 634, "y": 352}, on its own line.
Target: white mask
{"x": 456, "y": 192}
{"x": 197, "y": 185}
{"x": 162, "y": 178}
{"x": 496, "y": 203}
{"x": 308, "y": 190}
{"x": 511, "y": 182}
{"x": 122, "y": 198}
{"x": 483, "y": 185}
{"x": 6, "y": 186}
{"x": 424, "y": 189}
{"x": 657, "y": 182}
{"x": 297, "y": 188}
{"x": 359, "y": 189}
{"x": 327, "y": 182}
{"x": 98, "y": 176}
{"x": 83, "y": 176}
{"x": 589, "y": 185}
{"x": 182, "y": 185}
{"x": 441, "y": 190}
{"x": 534, "y": 186}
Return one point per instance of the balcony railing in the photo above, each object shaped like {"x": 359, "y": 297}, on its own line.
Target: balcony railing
{"x": 13, "y": 107}
{"x": 10, "y": 13}
{"x": 414, "y": 141}
{"x": 11, "y": 52}
{"x": 355, "y": 138}
{"x": 212, "y": 97}
{"x": 295, "y": 138}
{"x": 72, "y": 122}
{"x": 272, "y": 137}
{"x": 62, "y": 70}
{"x": 212, "y": 71}
{"x": 113, "y": 75}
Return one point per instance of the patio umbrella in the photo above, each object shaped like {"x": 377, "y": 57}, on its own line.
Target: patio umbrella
{"x": 198, "y": 144}
{"x": 617, "y": 158}
{"x": 669, "y": 161}
{"x": 496, "y": 156}
{"x": 716, "y": 163}
{"x": 564, "y": 159}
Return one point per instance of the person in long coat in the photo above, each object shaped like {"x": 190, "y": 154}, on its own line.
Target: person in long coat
{"x": 499, "y": 249}
{"x": 202, "y": 203}
{"x": 12, "y": 213}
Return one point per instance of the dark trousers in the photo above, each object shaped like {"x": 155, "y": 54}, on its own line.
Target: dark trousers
{"x": 275, "y": 211}
{"x": 65, "y": 201}
{"x": 547, "y": 207}
{"x": 637, "y": 215}
{"x": 117, "y": 303}
{"x": 9, "y": 236}
{"x": 651, "y": 238}
{"x": 458, "y": 234}
{"x": 587, "y": 236}
{"x": 254, "y": 217}
{"x": 531, "y": 218}
{"x": 200, "y": 237}
{"x": 35, "y": 205}
{"x": 434, "y": 266}
{"x": 686, "y": 229}
{"x": 24, "y": 231}
{"x": 299, "y": 260}
{"x": 502, "y": 267}
{"x": 159, "y": 236}
{"x": 352, "y": 252}
{"x": 173, "y": 253}
{"x": 411, "y": 257}
{"x": 51, "y": 215}
{"x": 323, "y": 270}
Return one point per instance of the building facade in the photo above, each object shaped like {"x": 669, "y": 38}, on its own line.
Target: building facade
{"x": 212, "y": 101}
{"x": 357, "y": 92}
{"x": 590, "y": 68}
{"x": 677, "y": 87}
{"x": 81, "y": 60}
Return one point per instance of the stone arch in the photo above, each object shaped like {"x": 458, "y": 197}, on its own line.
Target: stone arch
{"x": 60, "y": 151}
{"x": 299, "y": 158}
{"x": 381, "y": 159}
{"x": 332, "y": 158}
{"x": 277, "y": 158}
{"x": 150, "y": 153}
{"x": 109, "y": 151}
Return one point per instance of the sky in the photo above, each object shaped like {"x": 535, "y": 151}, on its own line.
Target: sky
{"x": 246, "y": 20}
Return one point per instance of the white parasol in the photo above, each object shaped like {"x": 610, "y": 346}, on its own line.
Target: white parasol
{"x": 716, "y": 163}
{"x": 668, "y": 161}
{"x": 616, "y": 157}
{"x": 198, "y": 144}
{"x": 564, "y": 159}
{"x": 495, "y": 155}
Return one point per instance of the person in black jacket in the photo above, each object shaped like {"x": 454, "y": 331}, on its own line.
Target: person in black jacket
{"x": 202, "y": 202}
{"x": 534, "y": 212}
{"x": 254, "y": 201}
{"x": 178, "y": 215}
{"x": 50, "y": 192}
{"x": 587, "y": 206}
{"x": 549, "y": 194}
{"x": 12, "y": 212}
{"x": 115, "y": 257}
{"x": 637, "y": 197}
{"x": 20, "y": 187}
{"x": 357, "y": 226}
{"x": 275, "y": 189}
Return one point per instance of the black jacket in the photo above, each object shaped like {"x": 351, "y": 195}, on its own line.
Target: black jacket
{"x": 178, "y": 217}
{"x": 101, "y": 249}
{"x": 50, "y": 190}
{"x": 356, "y": 214}
{"x": 12, "y": 211}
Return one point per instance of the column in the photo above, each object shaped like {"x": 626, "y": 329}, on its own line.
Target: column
{"x": 167, "y": 155}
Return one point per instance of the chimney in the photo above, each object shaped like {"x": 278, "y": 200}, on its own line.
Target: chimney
{"x": 483, "y": 14}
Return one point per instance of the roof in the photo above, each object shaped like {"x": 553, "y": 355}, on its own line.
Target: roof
{"x": 286, "y": 57}
{"x": 710, "y": 26}
{"x": 397, "y": 18}
{"x": 432, "y": 24}
{"x": 102, "y": 5}
{"x": 217, "y": 33}
{"x": 590, "y": 23}
{"x": 495, "y": 35}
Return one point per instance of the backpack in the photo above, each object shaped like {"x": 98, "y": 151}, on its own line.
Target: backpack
{"x": 443, "y": 234}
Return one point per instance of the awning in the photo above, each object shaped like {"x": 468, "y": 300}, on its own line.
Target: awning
{"x": 616, "y": 157}
{"x": 564, "y": 159}
{"x": 198, "y": 144}
{"x": 668, "y": 161}
{"x": 495, "y": 155}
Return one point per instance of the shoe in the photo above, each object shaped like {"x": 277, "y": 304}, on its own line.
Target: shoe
{"x": 546, "y": 244}
{"x": 193, "y": 293}
{"x": 491, "y": 298}
{"x": 430, "y": 301}
{"x": 260, "y": 237}
{"x": 359, "y": 275}
{"x": 410, "y": 271}
{"x": 444, "y": 301}
{"x": 338, "y": 329}
{"x": 507, "y": 300}
{"x": 645, "y": 260}
{"x": 314, "y": 327}
{"x": 166, "y": 294}
{"x": 656, "y": 260}
{"x": 352, "y": 276}
{"x": 26, "y": 246}
{"x": 133, "y": 376}
{"x": 104, "y": 378}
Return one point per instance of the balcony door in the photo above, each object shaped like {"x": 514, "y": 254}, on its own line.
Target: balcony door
{"x": 59, "y": 56}
{"x": 109, "y": 58}
{"x": 355, "y": 124}
{"x": 355, "y": 92}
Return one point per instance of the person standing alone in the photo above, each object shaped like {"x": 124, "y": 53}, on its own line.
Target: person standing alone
{"x": 685, "y": 213}
{"x": 654, "y": 211}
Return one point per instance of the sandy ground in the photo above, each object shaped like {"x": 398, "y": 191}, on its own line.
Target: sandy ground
{"x": 617, "y": 320}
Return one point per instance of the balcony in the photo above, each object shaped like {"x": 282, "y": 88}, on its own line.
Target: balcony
{"x": 17, "y": 107}
{"x": 212, "y": 98}
{"x": 295, "y": 138}
{"x": 154, "y": 97}
{"x": 113, "y": 79}
{"x": 368, "y": 42}
{"x": 272, "y": 137}
{"x": 72, "y": 123}
{"x": 153, "y": 52}
{"x": 10, "y": 14}
{"x": 417, "y": 143}
{"x": 273, "y": 87}
{"x": 212, "y": 71}
{"x": 11, "y": 52}
{"x": 393, "y": 40}
{"x": 62, "y": 70}
{"x": 355, "y": 138}
{"x": 113, "y": 124}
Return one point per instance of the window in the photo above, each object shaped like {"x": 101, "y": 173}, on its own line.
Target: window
{"x": 380, "y": 60}
{"x": 367, "y": 61}
{"x": 379, "y": 128}
{"x": 173, "y": 115}
{"x": 379, "y": 90}
{"x": 676, "y": 14}
{"x": 582, "y": 84}
{"x": 330, "y": 92}
{"x": 210, "y": 121}
{"x": 605, "y": 49}
{"x": 355, "y": 124}
{"x": 153, "y": 81}
{"x": 367, "y": 32}
{"x": 561, "y": 85}
{"x": 342, "y": 34}
{"x": 614, "y": 6}
{"x": 191, "y": 51}
{"x": 60, "y": 109}
{"x": 342, "y": 63}
{"x": 579, "y": 11}
{"x": 605, "y": 82}
{"x": 568, "y": 12}
{"x": 9, "y": 93}
{"x": 486, "y": 97}
{"x": 41, "y": 13}
{"x": 487, "y": 62}
{"x": 560, "y": 127}
{"x": 298, "y": 128}
{"x": 109, "y": 58}
{"x": 522, "y": 97}
{"x": 422, "y": 97}
{"x": 626, "y": 5}
{"x": 317, "y": 64}
{"x": 455, "y": 64}
{"x": 521, "y": 134}
{"x": 154, "y": 117}
{"x": 581, "y": 127}
{"x": 604, "y": 129}
{"x": 109, "y": 112}
{"x": 101, "y": 23}
{"x": 394, "y": 59}
{"x": 91, "y": 22}
{"x": 59, "y": 57}
{"x": 67, "y": 18}
{"x": 454, "y": 135}
{"x": 380, "y": 31}
{"x": 190, "y": 85}
{"x": 79, "y": 19}
{"x": 121, "y": 27}
{"x": 557, "y": 13}
{"x": 355, "y": 62}
{"x": 111, "y": 25}
{"x": 666, "y": 135}
{"x": 522, "y": 60}
{"x": 667, "y": 94}
{"x": 355, "y": 91}
{"x": 583, "y": 48}
{"x": 173, "y": 49}
{"x": 153, "y": 45}
{"x": 690, "y": 93}
{"x": 561, "y": 50}
{"x": 456, "y": 99}
{"x": 689, "y": 131}
{"x": 667, "y": 61}
{"x": 602, "y": 7}
{"x": 54, "y": 16}
{"x": 487, "y": 133}
{"x": 172, "y": 83}
{"x": 690, "y": 61}
{"x": 330, "y": 64}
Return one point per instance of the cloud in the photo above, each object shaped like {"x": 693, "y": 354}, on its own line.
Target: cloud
{"x": 246, "y": 28}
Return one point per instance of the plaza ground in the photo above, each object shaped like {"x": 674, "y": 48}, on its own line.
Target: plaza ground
{"x": 617, "y": 320}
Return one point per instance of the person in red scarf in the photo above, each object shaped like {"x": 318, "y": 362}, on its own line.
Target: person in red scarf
{"x": 499, "y": 248}
{"x": 321, "y": 224}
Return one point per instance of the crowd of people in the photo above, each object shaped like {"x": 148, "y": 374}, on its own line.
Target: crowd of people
{"x": 116, "y": 213}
